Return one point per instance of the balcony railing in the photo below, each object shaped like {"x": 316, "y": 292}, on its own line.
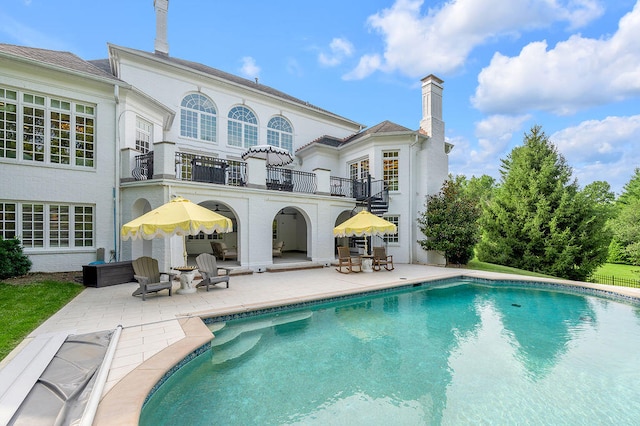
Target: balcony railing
{"x": 279, "y": 179}
{"x": 144, "y": 167}
{"x": 341, "y": 187}
{"x": 200, "y": 168}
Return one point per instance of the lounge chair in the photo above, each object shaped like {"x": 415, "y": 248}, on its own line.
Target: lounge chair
{"x": 221, "y": 251}
{"x": 277, "y": 249}
{"x": 210, "y": 271}
{"x": 149, "y": 277}
{"x": 345, "y": 260}
{"x": 380, "y": 259}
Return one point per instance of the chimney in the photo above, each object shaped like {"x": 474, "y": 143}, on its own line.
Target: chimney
{"x": 161, "y": 44}
{"x": 431, "y": 121}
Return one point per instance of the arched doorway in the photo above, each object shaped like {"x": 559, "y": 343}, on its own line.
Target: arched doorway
{"x": 290, "y": 236}
{"x": 212, "y": 243}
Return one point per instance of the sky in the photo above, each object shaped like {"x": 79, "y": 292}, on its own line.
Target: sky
{"x": 569, "y": 66}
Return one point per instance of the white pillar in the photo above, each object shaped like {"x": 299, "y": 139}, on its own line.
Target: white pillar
{"x": 323, "y": 181}
{"x": 256, "y": 173}
{"x": 164, "y": 160}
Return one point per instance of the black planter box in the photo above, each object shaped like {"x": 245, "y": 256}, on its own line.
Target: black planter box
{"x": 105, "y": 274}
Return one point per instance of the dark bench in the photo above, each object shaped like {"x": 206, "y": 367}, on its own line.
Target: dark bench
{"x": 105, "y": 274}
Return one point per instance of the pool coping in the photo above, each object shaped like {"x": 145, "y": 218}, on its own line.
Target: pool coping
{"x": 123, "y": 404}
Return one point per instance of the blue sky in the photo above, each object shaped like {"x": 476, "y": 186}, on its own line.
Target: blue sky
{"x": 571, "y": 66}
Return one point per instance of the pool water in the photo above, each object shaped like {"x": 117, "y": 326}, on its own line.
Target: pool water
{"x": 458, "y": 354}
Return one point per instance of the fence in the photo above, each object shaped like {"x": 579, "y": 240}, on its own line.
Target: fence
{"x": 613, "y": 280}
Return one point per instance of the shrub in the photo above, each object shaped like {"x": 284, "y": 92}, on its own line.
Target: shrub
{"x": 13, "y": 262}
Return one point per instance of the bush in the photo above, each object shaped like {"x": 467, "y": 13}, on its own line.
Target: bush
{"x": 13, "y": 262}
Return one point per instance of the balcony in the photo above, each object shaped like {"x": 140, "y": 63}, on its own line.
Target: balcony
{"x": 206, "y": 169}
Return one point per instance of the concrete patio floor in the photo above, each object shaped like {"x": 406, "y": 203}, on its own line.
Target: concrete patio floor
{"x": 161, "y": 331}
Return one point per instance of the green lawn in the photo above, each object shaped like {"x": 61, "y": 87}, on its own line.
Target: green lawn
{"x": 619, "y": 271}
{"x": 24, "y": 307}
{"x": 490, "y": 267}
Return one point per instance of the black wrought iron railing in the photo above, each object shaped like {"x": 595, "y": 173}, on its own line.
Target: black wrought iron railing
{"x": 279, "y": 179}
{"x": 143, "y": 169}
{"x": 341, "y": 187}
{"x": 201, "y": 168}
{"x": 613, "y": 280}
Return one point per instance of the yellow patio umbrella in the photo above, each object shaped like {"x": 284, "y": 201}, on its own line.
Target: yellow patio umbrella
{"x": 177, "y": 217}
{"x": 365, "y": 224}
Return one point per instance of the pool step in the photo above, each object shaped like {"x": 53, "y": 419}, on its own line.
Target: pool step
{"x": 240, "y": 346}
{"x": 232, "y": 332}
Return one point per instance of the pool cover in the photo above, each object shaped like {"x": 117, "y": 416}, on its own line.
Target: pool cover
{"x": 61, "y": 394}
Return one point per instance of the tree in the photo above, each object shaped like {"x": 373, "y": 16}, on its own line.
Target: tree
{"x": 626, "y": 232}
{"x": 450, "y": 223}
{"x": 631, "y": 190}
{"x": 538, "y": 220}
{"x": 13, "y": 262}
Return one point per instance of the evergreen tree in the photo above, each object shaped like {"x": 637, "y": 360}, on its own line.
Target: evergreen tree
{"x": 625, "y": 247}
{"x": 538, "y": 220}
{"x": 450, "y": 223}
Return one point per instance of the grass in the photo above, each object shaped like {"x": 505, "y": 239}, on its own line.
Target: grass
{"x": 490, "y": 267}
{"x": 629, "y": 272}
{"x": 24, "y": 307}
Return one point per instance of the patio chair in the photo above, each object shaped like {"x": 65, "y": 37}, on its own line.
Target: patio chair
{"x": 277, "y": 249}
{"x": 221, "y": 251}
{"x": 380, "y": 259}
{"x": 210, "y": 271}
{"x": 345, "y": 260}
{"x": 149, "y": 277}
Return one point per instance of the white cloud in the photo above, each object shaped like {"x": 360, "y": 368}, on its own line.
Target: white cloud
{"x": 340, "y": 49}
{"x": 366, "y": 66}
{"x": 605, "y": 149}
{"x": 441, "y": 40}
{"x": 575, "y": 74}
{"x": 249, "y": 68}
{"x": 494, "y": 137}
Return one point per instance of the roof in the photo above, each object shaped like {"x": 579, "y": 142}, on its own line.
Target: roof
{"x": 379, "y": 129}
{"x": 58, "y": 59}
{"x": 214, "y": 72}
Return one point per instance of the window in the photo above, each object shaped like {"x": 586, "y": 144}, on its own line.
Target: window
{"x": 52, "y": 130}
{"x": 390, "y": 169}
{"x": 280, "y": 133}
{"x": 8, "y": 124}
{"x": 59, "y": 226}
{"x": 392, "y": 238}
{"x": 144, "y": 135}
{"x": 42, "y": 225}
{"x": 8, "y": 220}
{"x": 198, "y": 118}
{"x": 243, "y": 127}
{"x": 359, "y": 169}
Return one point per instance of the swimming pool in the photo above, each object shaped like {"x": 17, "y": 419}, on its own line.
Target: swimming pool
{"x": 454, "y": 353}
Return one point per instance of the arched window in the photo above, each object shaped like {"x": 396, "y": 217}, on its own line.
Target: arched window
{"x": 243, "y": 127}
{"x": 198, "y": 118}
{"x": 280, "y": 133}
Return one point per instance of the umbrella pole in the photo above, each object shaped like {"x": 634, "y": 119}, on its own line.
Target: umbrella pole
{"x": 184, "y": 247}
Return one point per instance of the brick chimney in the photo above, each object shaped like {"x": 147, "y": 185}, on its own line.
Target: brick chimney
{"x": 431, "y": 122}
{"x": 161, "y": 44}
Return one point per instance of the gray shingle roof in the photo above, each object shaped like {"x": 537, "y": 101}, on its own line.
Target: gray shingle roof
{"x": 56, "y": 58}
{"x": 381, "y": 128}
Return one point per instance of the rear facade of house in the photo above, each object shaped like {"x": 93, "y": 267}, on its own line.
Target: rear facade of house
{"x": 86, "y": 146}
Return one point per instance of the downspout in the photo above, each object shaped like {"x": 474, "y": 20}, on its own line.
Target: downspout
{"x": 116, "y": 177}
